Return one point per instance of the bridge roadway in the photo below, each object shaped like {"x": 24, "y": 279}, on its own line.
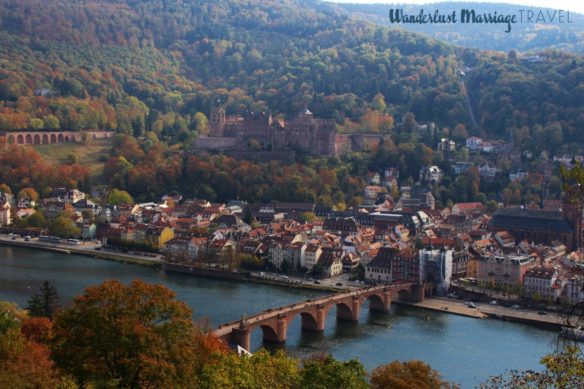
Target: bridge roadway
{"x": 274, "y": 321}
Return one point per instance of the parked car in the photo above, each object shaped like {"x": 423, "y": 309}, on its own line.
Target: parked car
{"x": 543, "y": 313}
{"x": 494, "y": 302}
{"x": 339, "y": 284}
{"x": 472, "y": 305}
{"x": 316, "y": 281}
{"x": 516, "y": 306}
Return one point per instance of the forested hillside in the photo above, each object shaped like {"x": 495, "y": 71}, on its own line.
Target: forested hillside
{"x": 152, "y": 65}
{"x": 137, "y": 66}
{"x": 152, "y": 69}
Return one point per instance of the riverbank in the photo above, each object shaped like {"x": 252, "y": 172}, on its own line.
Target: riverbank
{"x": 458, "y": 307}
{"x": 88, "y": 251}
{"x": 443, "y": 305}
{"x": 245, "y": 276}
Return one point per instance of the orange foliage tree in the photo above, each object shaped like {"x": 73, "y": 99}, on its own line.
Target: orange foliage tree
{"x": 135, "y": 335}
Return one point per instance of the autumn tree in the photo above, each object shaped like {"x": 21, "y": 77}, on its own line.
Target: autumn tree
{"x": 24, "y": 361}
{"x": 406, "y": 375}
{"x": 261, "y": 370}
{"x": 28, "y": 194}
{"x": 127, "y": 335}
{"x": 5, "y": 189}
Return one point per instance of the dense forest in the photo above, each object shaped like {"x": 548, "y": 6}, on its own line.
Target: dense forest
{"x": 151, "y": 70}
{"x": 152, "y": 65}
{"x": 138, "y": 66}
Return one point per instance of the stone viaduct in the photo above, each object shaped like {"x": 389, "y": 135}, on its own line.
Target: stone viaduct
{"x": 274, "y": 322}
{"x": 51, "y": 137}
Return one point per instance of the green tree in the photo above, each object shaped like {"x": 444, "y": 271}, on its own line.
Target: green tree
{"x": 51, "y": 122}
{"x": 201, "y": 123}
{"x": 261, "y": 370}
{"x": 129, "y": 336}
{"x": 36, "y": 124}
{"x": 564, "y": 369}
{"x": 64, "y": 227}
{"x": 378, "y": 103}
{"x": 492, "y": 206}
{"x": 325, "y": 372}
{"x": 45, "y": 303}
{"x": 119, "y": 197}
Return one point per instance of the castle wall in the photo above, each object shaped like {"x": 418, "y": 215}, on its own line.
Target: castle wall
{"x": 215, "y": 143}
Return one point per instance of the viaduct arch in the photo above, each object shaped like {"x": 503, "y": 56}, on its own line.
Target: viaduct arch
{"x": 50, "y": 137}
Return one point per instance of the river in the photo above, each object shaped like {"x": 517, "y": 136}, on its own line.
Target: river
{"x": 463, "y": 350}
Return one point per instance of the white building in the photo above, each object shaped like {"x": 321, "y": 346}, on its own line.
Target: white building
{"x": 487, "y": 170}
{"x": 518, "y": 175}
{"x": 474, "y": 143}
{"x": 461, "y": 167}
{"x": 277, "y": 254}
{"x": 310, "y": 256}
{"x": 432, "y": 174}
{"x": 573, "y": 291}
{"x": 541, "y": 282}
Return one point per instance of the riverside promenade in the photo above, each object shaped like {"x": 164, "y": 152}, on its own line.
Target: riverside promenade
{"x": 91, "y": 249}
{"x": 483, "y": 311}
{"x": 444, "y": 305}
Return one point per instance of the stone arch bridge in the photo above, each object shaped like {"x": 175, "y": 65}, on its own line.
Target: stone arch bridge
{"x": 274, "y": 322}
{"x": 51, "y": 137}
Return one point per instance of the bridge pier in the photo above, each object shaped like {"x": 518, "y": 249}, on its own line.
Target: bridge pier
{"x": 381, "y": 304}
{"x": 418, "y": 293}
{"x": 314, "y": 322}
{"x": 276, "y": 332}
{"x": 282, "y": 328}
{"x": 242, "y": 337}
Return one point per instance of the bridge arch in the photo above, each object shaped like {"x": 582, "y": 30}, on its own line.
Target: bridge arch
{"x": 45, "y": 139}
{"x": 28, "y": 139}
{"x": 309, "y": 322}
{"x": 376, "y": 303}
{"x": 404, "y": 295}
{"x": 20, "y": 139}
{"x": 53, "y": 138}
{"x": 60, "y": 138}
{"x": 344, "y": 311}
{"x": 10, "y": 139}
{"x": 37, "y": 139}
{"x": 269, "y": 333}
